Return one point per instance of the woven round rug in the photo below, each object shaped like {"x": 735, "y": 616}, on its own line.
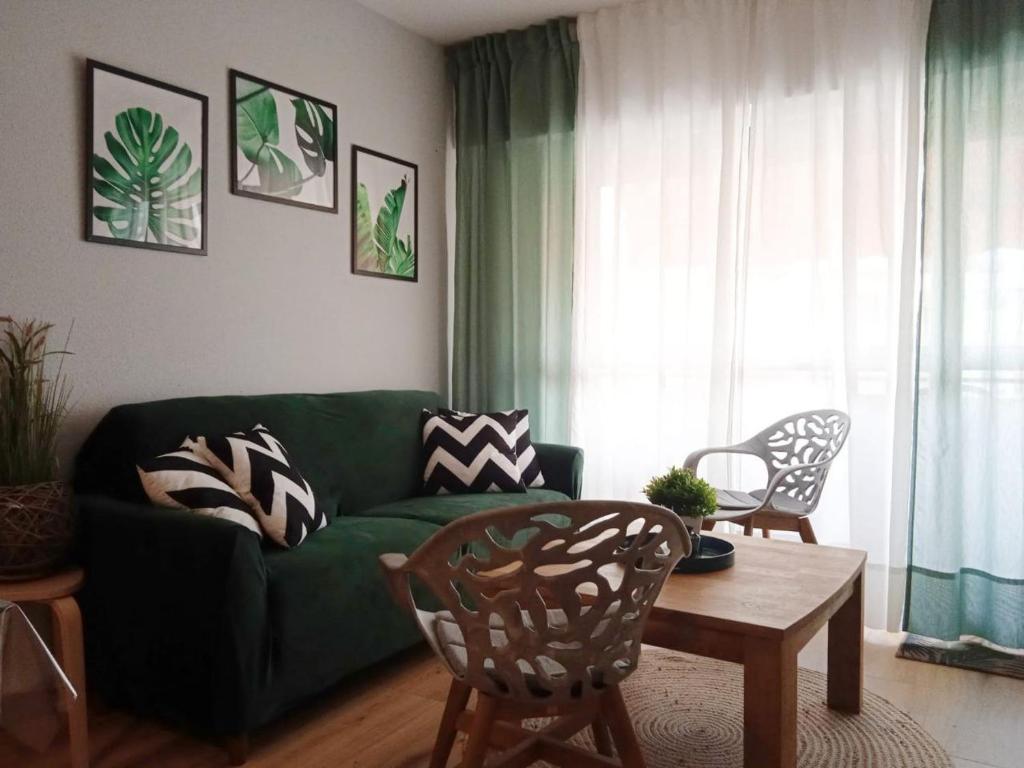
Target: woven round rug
{"x": 688, "y": 713}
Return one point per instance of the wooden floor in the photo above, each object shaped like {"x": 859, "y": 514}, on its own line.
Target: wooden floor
{"x": 386, "y": 719}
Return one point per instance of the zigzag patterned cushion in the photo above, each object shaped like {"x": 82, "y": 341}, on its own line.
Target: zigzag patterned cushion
{"x": 526, "y": 456}
{"x": 474, "y": 453}
{"x": 257, "y": 466}
{"x": 184, "y": 480}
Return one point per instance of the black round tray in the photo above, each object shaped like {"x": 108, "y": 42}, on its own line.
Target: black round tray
{"x": 715, "y": 555}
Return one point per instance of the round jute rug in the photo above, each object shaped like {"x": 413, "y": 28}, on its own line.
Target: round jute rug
{"x": 688, "y": 713}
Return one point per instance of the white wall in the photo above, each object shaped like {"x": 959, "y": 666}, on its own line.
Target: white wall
{"x": 273, "y": 307}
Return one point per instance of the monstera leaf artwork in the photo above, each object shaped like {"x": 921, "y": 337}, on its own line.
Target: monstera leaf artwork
{"x": 147, "y": 169}
{"x": 314, "y": 132}
{"x": 384, "y": 244}
{"x": 276, "y": 132}
{"x": 155, "y": 186}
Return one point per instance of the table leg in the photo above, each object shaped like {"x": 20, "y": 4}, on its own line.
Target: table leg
{"x": 769, "y": 705}
{"x": 846, "y": 652}
{"x": 67, "y": 629}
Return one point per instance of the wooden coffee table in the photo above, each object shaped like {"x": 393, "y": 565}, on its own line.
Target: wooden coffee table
{"x": 760, "y": 613}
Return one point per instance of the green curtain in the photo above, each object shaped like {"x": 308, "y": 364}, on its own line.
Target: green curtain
{"x": 967, "y": 549}
{"x": 515, "y": 108}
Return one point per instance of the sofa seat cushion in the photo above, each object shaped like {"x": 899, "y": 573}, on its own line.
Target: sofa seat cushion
{"x": 329, "y": 608}
{"x": 441, "y": 510}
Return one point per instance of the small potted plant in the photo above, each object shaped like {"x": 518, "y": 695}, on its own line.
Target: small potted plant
{"x": 688, "y": 496}
{"x": 35, "y": 515}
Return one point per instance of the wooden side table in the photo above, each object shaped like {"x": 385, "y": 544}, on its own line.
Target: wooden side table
{"x": 58, "y": 591}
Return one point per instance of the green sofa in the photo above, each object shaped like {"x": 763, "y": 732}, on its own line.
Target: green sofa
{"x": 191, "y": 620}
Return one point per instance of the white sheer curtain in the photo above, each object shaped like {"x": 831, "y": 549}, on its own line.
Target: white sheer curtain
{"x": 747, "y": 187}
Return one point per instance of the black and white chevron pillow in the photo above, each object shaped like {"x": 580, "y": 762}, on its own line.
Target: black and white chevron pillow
{"x": 526, "y": 456}
{"x": 257, "y": 466}
{"x": 185, "y": 480}
{"x": 474, "y": 453}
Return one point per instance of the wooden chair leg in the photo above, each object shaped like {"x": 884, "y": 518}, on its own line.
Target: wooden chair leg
{"x": 613, "y": 708}
{"x": 67, "y": 627}
{"x": 602, "y": 739}
{"x": 748, "y": 527}
{"x": 766, "y": 533}
{"x": 458, "y": 695}
{"x": 707, "y": 525}
{"x": 806, "y": 531}
{"x": 237, "y": 748}
{"x": 480, "y": 731}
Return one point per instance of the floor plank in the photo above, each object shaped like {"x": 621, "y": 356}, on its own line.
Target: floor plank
{"x": 386, "y": 718}
{"x": 974, "y": 716}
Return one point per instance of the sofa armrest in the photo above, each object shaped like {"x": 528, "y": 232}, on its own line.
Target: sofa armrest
{"x": 562, "y": 467}
{"x": 176, "y": 613}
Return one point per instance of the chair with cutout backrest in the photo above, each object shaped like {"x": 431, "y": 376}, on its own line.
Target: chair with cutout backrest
{"x": 542, "y": 610}
{"x": 797, "y": 452}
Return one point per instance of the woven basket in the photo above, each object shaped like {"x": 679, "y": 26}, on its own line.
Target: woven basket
{"x": 35, "y": 529}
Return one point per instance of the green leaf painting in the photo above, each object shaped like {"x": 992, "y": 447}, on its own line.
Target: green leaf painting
{"x": 366, "y": 250}
{"x": 277, "y": 132}
{"x": 378, "y": 245}
{"x": 314, "y": 132}
{"x": 255, "y": 119}
{"x": 152, "y": 180}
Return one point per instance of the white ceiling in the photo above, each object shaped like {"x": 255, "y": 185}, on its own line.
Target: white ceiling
{"x": 449, "y": 21}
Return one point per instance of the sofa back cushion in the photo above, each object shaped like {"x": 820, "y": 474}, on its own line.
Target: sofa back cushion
{"x": 356, "y": 449}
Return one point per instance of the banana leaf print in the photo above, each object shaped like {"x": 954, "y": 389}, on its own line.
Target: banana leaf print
{"x": 378, "y": 246}
{"x": 152, "y": 182}
{"x": 366, "y": 250}
{"x": 401, "y": 260}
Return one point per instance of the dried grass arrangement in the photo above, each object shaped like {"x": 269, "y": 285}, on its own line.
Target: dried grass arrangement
{"x": 35, "y": 520}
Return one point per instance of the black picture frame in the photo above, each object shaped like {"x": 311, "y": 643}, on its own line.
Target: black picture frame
{"x": 91, "y": 235}
{"x": 356, "y": 151}
{"x": 236, "y": 189}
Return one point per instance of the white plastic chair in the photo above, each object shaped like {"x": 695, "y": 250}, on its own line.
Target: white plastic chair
{"x": 798, "y": 452}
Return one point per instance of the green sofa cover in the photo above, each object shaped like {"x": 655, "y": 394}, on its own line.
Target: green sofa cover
{"x": 192, "y": 620}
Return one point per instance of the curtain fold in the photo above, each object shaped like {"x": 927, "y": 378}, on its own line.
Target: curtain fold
{"x": 515, "y": 110}
{"x": 746, "y": 247}
{"x": 967, "y": 555}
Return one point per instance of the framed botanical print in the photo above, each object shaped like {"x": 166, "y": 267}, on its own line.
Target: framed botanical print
{"x": 385, "y": 215}
{"x": 145, "y": 162}
{"x": 284, "y": 144}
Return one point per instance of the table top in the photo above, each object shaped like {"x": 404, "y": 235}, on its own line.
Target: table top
{"x": 60, "y": 584}
{"x": 775, "y": 588}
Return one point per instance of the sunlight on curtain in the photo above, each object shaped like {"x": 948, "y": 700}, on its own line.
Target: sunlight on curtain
{"x": 967, "y": 570}
{"x": 746, "y": 235}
